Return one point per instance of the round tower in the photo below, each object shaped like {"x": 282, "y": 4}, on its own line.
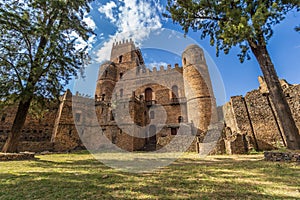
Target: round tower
{"x": 201, "y": 104}
{"x": 106, "y": 82}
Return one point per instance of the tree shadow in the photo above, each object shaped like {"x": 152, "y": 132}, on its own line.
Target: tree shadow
{"x": 212, "y": 178}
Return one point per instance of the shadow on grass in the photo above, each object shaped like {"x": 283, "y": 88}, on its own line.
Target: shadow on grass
{"x": 217, "y": 178}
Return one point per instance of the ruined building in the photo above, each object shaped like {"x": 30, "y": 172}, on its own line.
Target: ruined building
{"x": 251, "y": 122}
{"x": 136, "y": 108}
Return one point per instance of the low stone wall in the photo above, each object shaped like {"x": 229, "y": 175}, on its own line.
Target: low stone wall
{"x": 16, "y": 156}
{"x": 281, "y": 156}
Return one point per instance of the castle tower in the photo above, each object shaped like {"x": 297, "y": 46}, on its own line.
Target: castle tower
{"x": 201, "y": 104}
{"x": 126, "y": 56}
{"x": 106, "y": 82}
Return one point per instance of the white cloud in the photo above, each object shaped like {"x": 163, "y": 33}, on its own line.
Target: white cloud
{"x": 80, "y": 43}
{"x": 107, "y": 9}
{"x": 157, "y": 65}
{"x": 133, "y": 19}
{"x": 88, "y": 20}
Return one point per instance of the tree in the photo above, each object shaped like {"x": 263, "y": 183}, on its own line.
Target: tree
{"x": 248, "y": 25}
{"x": 38, "y": 52}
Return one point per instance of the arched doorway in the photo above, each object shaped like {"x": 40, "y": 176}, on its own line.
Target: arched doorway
{"x": 148, "y": 94}
{"x": 152, "y": 135}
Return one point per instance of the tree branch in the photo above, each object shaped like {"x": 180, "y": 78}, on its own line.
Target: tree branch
{"x": 16, "y": 71}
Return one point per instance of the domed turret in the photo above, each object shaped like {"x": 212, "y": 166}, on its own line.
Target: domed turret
{"x": 201, "y": 104}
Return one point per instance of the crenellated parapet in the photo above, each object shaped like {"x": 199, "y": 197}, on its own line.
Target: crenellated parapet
{"x": 161, "y": 70}
{"x": 123, "y": 43}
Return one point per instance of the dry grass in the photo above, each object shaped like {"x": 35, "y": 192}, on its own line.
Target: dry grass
{"x": 80, "y": 176}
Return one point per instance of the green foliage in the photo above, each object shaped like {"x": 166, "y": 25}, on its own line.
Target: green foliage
{"x": 38, "y": 54}
{"x": 230, "y": 23}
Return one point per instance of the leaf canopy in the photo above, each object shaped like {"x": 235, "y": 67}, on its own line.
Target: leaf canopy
{"x": 231, "y": 23}
{"x": 38, "y": 46}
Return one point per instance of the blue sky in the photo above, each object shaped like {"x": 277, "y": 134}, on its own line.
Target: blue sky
{"x": 115, "y": 20}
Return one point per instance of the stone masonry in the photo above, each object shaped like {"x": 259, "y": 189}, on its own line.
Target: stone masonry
{"x": 136, "y": 108}
{"x": 251, "y": 121}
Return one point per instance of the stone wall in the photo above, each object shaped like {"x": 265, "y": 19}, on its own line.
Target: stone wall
{"x": 37, "y": 131}
{"x": 16, "y": 156}
{"x": 124, "y": 110}
{"x": 282, "y": 156}
{"x": 251, "y": 121}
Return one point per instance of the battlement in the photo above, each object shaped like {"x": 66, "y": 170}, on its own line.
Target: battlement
{"x": 123, "y": 43}
{"x": 124, "y": 49}
{"x": 163, "y": 70}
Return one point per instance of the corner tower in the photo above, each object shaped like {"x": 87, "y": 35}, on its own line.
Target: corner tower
{"x": 106, "y": 82}
{"x": 126, "y": 56}
{"x": 201, "y": 103}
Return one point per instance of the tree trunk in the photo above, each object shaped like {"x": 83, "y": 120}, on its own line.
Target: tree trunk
{"x": 11, "y": 144}
{"x": 277, "y": 96}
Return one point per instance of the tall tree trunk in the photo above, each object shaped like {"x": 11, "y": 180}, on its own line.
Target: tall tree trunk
{"x": 281, "y": 106}
{"x": 11, "y": 144}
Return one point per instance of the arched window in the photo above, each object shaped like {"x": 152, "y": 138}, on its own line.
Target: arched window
{"x": 148, "y": 94}
{"x": 103, "y": 97}
{"x": 77, "y": 117}
{"x": 120, "y": 59}
{"x": 174, "y": 91}
{"x": 121, "y": 75}
{"x": 112, "y": 117}
{"x": 184, "y": 61}
{"x": 180, "y": 119}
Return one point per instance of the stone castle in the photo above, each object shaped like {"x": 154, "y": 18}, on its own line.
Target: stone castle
{"x": 136, "y": 108}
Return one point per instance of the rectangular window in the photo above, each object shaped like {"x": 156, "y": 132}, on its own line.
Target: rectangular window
{"x": 173, "y": 131}
{"x": 77, "y": 117}
{"x": 3, "y": 118}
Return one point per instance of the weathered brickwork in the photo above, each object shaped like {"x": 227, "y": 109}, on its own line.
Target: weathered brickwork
{"x": 252, "y": 123}
{"x": 160, "y": 100}
{"x": 165, "y": 108}
{"x": 282, "y": 156}
{"x": 16, "y": 156}
{"x": 37, "y": 131}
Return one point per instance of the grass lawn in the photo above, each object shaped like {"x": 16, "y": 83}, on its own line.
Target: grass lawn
{"x": 80, "y": 176}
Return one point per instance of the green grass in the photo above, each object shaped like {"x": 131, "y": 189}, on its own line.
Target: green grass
{"x": 80, "y": 176}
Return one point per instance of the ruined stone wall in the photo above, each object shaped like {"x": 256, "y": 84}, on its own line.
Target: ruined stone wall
{"x": 265, "y": 125}
{"x": 292, "y": 94}
{"x": 65, "y": 136}
{"x": 252, "y": 121}
{"x": 37, "y": 130}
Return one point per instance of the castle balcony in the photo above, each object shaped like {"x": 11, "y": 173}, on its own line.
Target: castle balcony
{"x": 150, "y": 102}
{"x": 180, "y": 100}
{"x": 101, "y": 101}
